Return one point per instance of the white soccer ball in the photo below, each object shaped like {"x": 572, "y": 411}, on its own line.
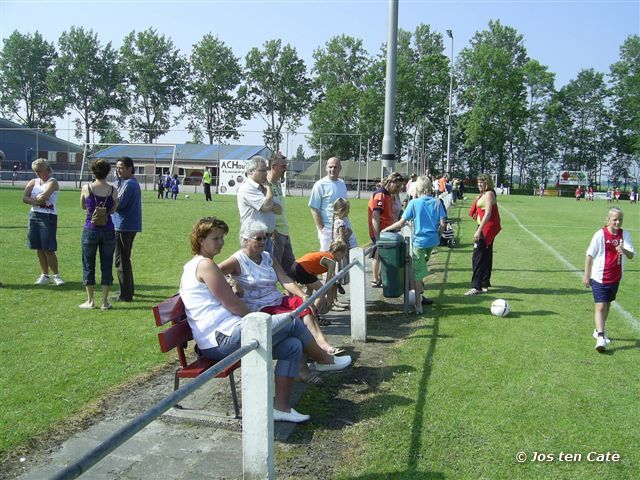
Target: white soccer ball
{"x": 500, "y": 308}
{"x": 186, "y": 196}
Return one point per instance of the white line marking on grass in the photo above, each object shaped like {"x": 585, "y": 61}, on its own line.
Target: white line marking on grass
{"x": 627, "y": 316}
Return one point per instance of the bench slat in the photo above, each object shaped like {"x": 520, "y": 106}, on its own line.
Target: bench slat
{"x": 202, "y": 364}
{"x": 171, "y": 310}
{"x": 175, "y": 336}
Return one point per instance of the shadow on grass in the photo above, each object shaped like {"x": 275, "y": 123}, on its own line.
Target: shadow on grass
{"x": 332, "y": 412}
{"x": 421, "y": 412}
{"x": 634, "y": 344}
{"x": 449, "y": 291}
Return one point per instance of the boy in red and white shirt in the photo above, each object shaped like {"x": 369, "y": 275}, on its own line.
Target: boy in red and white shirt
{"x": 603, "y": 269}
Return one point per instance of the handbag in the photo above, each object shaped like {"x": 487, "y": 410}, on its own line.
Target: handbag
{"x": 99, "y": 217}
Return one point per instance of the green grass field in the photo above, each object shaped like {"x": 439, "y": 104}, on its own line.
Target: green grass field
{"x": 481, "y": 389}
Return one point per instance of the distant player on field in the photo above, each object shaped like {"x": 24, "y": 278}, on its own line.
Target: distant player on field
{"x": 603, "y": 269}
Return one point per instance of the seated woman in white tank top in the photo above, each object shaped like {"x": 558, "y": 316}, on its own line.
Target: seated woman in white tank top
{"x": 214, "y": 313}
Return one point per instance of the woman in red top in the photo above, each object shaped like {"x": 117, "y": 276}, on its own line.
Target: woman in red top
{"x": 485, "y": 211}
{"x": 381, "y": 216}
{"x": 305, "y": 270}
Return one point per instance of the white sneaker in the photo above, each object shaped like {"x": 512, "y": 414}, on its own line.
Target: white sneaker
{"x": 292, "y": 416}
{"x": 601, "y": 344}
{"x": 606, "y": 338}
{"x": 57, "y": 279}
{"x": 42, "y": 280}
{"x": 339, "y": 363}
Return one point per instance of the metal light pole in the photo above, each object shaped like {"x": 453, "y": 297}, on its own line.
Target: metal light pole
{"x": 388, "y": 140}
{"x": 450, "y": 33}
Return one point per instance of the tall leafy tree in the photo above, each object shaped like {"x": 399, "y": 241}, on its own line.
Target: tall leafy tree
{"x": 217, "y": 102}
{"x": 340, "y": 67}
{"x": 26, "y": 66}
{"x": 299, "y": 156}
{"x": 422, "y": 84}
{"x": 625, "y": 106}
{"x": 426, "y": 92}
{"x": 542, "y": 153}
{"x": 110, "y": 133}
{"x": 155, "y": 75}
{"x": 493, "y": 95}
{"x": 278, "y": 87}
{"x": 88, "y": 78}
{"x": 586, "y": 136}
{"x": 539, "y": 86}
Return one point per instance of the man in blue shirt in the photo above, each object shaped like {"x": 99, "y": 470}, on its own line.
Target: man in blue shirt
{"x": 323, "y": 195}
{"x": 127, "y": 220}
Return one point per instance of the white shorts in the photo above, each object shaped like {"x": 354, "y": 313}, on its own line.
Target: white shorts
{"x": 324, "y": 236}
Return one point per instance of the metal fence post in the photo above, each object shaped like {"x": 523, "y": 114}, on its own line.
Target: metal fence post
{"x": 407, "y": 233}
{"x": 258, "y": 460}
{"x": 358, "y": 292}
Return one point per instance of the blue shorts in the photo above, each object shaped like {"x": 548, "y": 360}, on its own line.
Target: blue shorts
{"x": 604, "y": 293}
{"x": 42, "y": 231}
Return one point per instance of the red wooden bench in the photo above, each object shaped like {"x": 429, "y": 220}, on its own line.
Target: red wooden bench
{"x": 178, "y": 336}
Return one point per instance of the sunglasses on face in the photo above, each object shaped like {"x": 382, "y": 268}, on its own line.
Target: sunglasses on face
{"x": 261, "y": 238}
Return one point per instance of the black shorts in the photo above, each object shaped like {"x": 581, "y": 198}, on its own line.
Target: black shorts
{"x": 300, "y": 275}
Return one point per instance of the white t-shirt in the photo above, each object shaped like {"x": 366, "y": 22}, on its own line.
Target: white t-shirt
{"x": 205, "y": 314}
{"x": 258, "y": 281}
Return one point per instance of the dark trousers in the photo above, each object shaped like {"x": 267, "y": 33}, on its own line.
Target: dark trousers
{"x": 283, "y": 251}
{"x": 122, "y": 260}
{"x": 207, "y": 192}
{"x": 482, "y": 261}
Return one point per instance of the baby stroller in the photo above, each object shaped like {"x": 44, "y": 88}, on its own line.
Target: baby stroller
{"x": 447, "y": 238}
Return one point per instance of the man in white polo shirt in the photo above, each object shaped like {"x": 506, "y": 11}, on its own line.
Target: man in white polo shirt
{"x": 255, "y": 197}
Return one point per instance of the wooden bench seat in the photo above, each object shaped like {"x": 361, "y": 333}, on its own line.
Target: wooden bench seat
{"x": 178, "y": 336}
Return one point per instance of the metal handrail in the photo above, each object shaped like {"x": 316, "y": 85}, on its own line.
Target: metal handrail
{"x": 125, "y": 433}
{"x": 318, "y": 293}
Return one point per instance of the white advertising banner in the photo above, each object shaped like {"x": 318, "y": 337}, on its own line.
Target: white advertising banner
{"x": 569, "y": 177}
{"x": 231, "y": 176}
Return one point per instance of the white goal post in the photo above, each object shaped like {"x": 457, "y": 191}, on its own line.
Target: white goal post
{"x": 128, "y": 145}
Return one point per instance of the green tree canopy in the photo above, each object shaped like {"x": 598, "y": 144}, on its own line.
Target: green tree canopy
{"x": 217, "y": 101}
{"x": 26, "y": 66}
{"x": 585, "y": 133}
{"x": 625, "y": 92}
{"x": 278, "y": 88}
{"x": 340, "y": 67}
{"x": 89, "y": 79}
{"x": 155, "y": 76}
{"x": 493, "y": 95}
{"x": 539, "y": 86}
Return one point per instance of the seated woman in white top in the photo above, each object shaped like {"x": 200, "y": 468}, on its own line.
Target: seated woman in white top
{"x": 214, "y": 313}
{"x": 258, "y": 274}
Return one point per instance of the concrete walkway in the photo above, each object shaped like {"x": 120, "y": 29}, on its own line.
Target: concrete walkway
{"x": 181, "y": 444}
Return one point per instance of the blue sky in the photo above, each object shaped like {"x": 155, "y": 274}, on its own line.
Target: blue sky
{"x": 567, "y": 36}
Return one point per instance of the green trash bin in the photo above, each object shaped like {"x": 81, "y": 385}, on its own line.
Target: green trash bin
{"x": 392, "y": 253}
